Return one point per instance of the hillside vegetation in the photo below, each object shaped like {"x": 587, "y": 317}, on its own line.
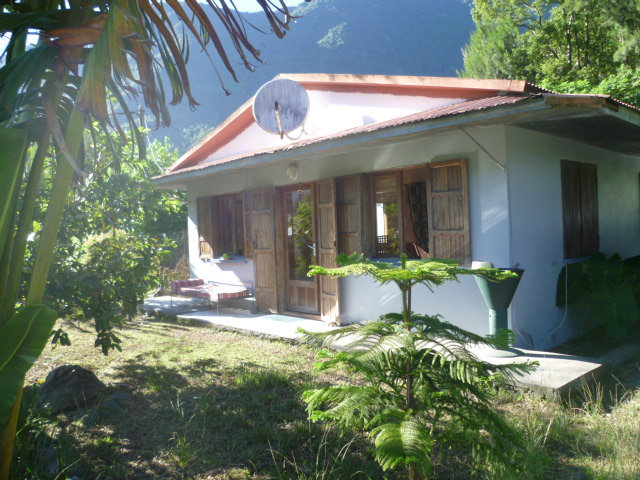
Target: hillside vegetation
{"x": 408, "y": 37}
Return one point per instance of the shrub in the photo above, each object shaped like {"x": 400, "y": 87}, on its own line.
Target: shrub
{"x": 422, "y": 389}
{"x": 611, "y": 287}
{"x": 106, "y": 280}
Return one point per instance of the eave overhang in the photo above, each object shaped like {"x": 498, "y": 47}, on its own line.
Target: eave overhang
{"x": 596, "y": 120}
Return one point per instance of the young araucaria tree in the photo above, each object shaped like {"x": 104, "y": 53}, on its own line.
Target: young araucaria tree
{"x": 420, "y": 389}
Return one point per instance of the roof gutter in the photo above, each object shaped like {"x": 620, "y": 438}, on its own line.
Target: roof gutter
{"x": 359, "y": 139}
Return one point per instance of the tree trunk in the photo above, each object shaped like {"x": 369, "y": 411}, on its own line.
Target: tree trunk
{"x": 406, "y": 307}
{"x": 413, "y": 473}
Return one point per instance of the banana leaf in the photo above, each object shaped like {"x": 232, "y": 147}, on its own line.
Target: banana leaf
{"x": 615, "y": 307}
{"x": 13, "y": 143}
{"x": 22, "y": 340}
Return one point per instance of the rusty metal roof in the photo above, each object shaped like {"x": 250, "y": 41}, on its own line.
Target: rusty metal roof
{"x": 436, "y": 113}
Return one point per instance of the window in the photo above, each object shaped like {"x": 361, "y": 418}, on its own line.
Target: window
{"x": 579, "y": 208}
{"x": 399, "y": 211}
{"x": 232, "y": 226}
{"x": 387, "y": 204}
{"x": 221, "y": 225}
{"x": 422, "y": 211}
{"x": 299, "y": 238}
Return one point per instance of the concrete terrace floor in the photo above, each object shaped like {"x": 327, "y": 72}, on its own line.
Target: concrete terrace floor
{"x": 556, "y": 375}
{"x": 195, "y": 311}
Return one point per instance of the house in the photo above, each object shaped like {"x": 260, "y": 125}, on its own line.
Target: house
{"x": 490, "y": 170}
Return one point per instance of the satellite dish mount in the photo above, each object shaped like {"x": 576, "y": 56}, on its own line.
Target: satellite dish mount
{"x": 281, "y": 106}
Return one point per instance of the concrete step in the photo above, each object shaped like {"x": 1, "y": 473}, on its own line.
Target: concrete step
{"x": 244, "y": 303}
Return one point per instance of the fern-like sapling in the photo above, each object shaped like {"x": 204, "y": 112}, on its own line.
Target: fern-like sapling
{"x": 422, "y": 389}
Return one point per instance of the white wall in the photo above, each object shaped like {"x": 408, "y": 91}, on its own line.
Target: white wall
{"x": 332, "y": 112}
{"x": 537, "y": 231}
{"x": 516, "y": 220}
{"x": 460, "y": 303}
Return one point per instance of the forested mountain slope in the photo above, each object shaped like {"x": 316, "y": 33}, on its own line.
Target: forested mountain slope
{"x": 395, "y": 37}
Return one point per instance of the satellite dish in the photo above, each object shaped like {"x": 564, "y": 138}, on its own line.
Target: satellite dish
{"x": 281, "y": 106}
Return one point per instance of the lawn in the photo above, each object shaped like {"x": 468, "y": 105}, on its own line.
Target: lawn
{"x": 207, "y": 404}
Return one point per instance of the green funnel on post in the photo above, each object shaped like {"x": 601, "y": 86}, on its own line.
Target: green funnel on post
{"x": 498, "y": 296}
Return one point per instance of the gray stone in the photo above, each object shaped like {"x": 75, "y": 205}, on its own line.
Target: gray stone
{"x": 69, "y": 387}
{"x": 91, "y": 418}
{"x": 116, "y": 401}
{"x": 49, "y": 457}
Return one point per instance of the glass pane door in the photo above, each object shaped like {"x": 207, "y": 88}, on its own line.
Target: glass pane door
{"x": 300, "y": 243}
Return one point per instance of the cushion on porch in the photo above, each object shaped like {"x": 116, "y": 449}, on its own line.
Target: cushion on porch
{"x": 231, "y": 291}
{"x": 212, "y": 291}
{"x": 179, "y": 285}
{"x": 199, "y": 291}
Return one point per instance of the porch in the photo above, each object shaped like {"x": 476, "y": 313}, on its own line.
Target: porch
{"x": 556, "y": 375}
{"x": 235, "y": 316}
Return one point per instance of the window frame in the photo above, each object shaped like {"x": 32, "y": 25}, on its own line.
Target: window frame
{"x": 401, "y": 221}
{"x": 211, "y": 231}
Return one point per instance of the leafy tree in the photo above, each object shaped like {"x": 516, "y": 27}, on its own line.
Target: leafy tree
{"x": 91, "y": 59}
{"x": 114, "y": 233}
{"x": 105, "y": 281}
{"x": 571, "y": 46}
{"x": 194, "y": 134}
{"x": 420, "y": 388}
{"x": 490, "y": 52}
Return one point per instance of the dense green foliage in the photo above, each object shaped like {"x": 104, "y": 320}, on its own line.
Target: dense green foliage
{"x": 105, "y": 282}
{"x": 92, "y": 62}
{"x": 422, "y": 389}
{"x": 114, "y": 233}
{"x": 570, "y": 46}
{"x": 611, "y": 287}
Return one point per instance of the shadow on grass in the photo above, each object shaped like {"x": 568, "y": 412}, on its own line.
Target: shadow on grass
{"x": 158, "y": 324}
{"x": 202, "y": 421}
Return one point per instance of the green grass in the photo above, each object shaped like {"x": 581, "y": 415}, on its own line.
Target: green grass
{"x": 218, "y": 405}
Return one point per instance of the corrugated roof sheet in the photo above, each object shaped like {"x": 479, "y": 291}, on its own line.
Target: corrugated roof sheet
{"x": 440, "y": 112}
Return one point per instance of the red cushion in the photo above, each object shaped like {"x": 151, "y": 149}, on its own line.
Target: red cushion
{"x": 215, "y": 292}
{"x": 178, "y": 285}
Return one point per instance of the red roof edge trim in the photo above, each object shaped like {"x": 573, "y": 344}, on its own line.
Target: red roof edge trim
{"x": 224, "y": 133}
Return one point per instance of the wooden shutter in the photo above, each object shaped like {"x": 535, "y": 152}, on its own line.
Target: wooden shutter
{"x": 579, "y": 208}
{"x": 238, "y": 217}
{"x": 260, "y": 206}
{"x": 248, "y": 238}
{"x": 327, "y": 247}
{"x": 217, "y": 226}
{"x": 349, "y": 192}
{"x": 448, "y": 210}
{"x": 589, "y": 206}
{"x": 205, "y": 227}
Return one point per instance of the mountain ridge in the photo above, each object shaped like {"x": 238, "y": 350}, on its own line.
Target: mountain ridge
{"x": 400, "y": 37}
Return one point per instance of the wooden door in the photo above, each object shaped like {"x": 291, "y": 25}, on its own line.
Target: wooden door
{"x": 327, "y": 248}
{"x": 300, "y": 249}
{"x": 259, "y": 214}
